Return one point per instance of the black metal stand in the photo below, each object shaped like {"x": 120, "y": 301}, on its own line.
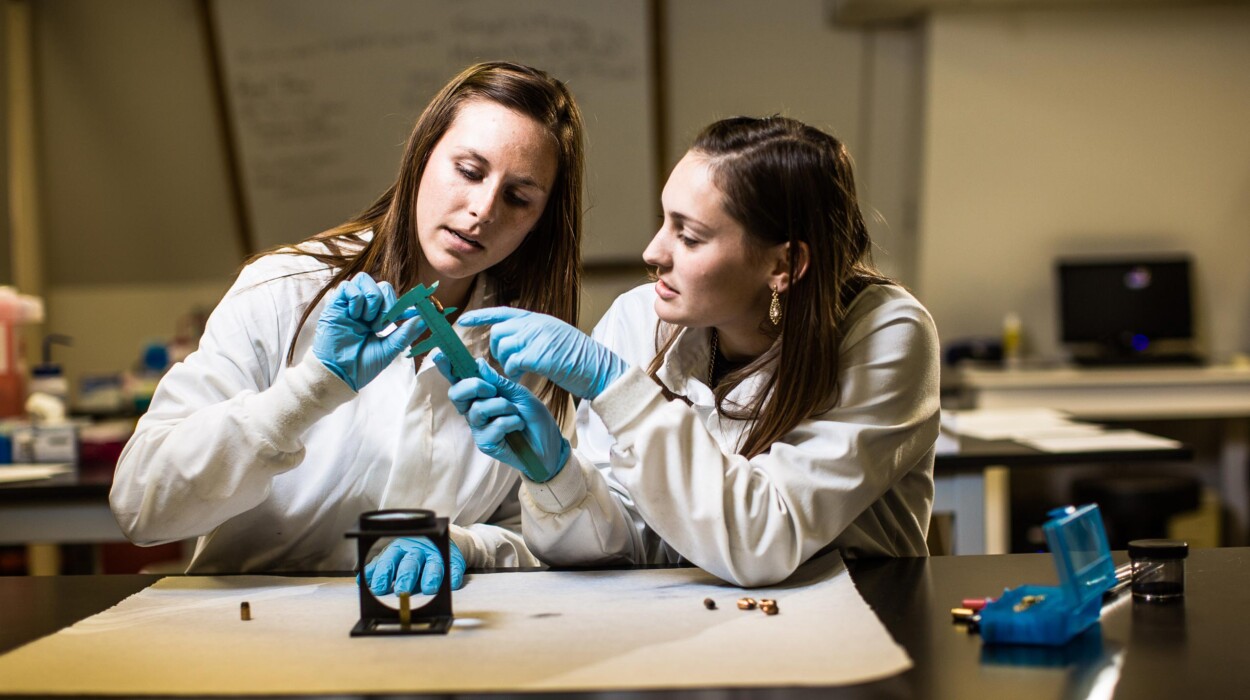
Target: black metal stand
{"x": 378, "y": 619}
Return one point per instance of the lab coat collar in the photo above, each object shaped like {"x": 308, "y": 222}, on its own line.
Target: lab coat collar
{"x": 684, "y": 370}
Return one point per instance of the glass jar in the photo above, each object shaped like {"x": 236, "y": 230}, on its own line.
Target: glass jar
{"x": 1158, "y": 569}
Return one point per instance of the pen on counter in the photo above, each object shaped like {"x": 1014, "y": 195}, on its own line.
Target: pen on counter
{"x": 1123, "y": 577}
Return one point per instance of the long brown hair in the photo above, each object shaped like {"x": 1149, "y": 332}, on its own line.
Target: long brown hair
{"x": 787, "y": 182}
{"x": 543, "y": 274}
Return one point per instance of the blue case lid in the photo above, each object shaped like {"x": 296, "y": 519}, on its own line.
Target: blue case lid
{"x": 1056, "y": 614}
{"x": 1082, "y": 557}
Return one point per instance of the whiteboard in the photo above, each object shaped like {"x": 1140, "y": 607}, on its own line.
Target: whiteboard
{"x": 322, "y": 94}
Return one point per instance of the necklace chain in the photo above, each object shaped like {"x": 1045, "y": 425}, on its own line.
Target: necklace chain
{"x": 711, "y": 359}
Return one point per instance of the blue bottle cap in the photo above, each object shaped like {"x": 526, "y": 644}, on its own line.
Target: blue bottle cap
{"x": 156, "y": 357}
{"x": 47, "y": 369}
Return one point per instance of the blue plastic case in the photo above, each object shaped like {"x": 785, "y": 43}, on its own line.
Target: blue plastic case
{"x": 1052, "y": 615}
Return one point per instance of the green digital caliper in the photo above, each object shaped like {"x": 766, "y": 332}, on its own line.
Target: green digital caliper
{"x": 463, "y": 366}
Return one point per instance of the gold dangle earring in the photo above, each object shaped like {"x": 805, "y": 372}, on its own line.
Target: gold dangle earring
{"x": 774, "y": 308}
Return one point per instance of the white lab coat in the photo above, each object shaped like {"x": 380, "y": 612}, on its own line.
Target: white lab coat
{"x": 270, "y": 465}
{"x": 655, "y": 480}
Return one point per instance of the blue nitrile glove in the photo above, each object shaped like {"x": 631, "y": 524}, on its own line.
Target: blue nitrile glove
{"x": 525, "y": 341}
{"x": 347, "y": 342}
{"x": 409, "y": 559}
{"x": 495, "y": 406}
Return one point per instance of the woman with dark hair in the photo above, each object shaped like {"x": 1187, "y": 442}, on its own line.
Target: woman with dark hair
{"x": 271, "y": 439}
{"x": 771, "y": 396}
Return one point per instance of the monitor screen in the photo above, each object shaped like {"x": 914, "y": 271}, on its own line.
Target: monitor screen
{"x": 1124, "y": 305}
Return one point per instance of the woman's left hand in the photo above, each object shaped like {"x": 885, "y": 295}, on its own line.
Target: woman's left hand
{"x": 525, "y": 341}
{"x": 411, "y": 563}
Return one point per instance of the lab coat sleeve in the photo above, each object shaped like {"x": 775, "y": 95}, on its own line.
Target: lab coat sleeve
{"x": 576, "y": 518}
{"x": 224, "y": 422}
{"x": 497, "y": 543}
{"x": 754, "y": 521}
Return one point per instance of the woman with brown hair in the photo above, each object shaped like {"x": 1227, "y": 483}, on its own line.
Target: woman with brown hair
{"x": 271, "y": 439}
{"x": 771, "y": 396}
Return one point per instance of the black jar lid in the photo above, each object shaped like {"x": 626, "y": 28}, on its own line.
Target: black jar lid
{"x": 1158, "y": 549}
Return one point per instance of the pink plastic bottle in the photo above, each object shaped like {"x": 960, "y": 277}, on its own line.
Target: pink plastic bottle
{"x": 14, "y": 309}
{"x": 12, "y": 388}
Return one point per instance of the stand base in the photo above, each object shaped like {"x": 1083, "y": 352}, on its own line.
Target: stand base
{"x": 378, "y": 628}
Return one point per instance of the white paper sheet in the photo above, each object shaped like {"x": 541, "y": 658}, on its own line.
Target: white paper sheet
{"x": 13, "y": 473}
{"x": 1109, "y": 440}
{"x": 1015, "y": 424}
{"x": 540, "y": 631}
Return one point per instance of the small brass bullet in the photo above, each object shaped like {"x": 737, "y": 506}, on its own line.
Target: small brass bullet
{"x": 1027, "y": 602}
{"x": 245, "y": 611}
{"x": 746, "y": 603}
{"x": 709, "y": 603}
{"x": 405, "y": 610}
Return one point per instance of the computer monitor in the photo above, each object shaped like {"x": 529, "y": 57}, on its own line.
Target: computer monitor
{"x": 1118, "y": 309}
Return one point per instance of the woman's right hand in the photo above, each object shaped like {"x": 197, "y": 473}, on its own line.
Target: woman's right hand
{"x": 495, "y": 407}
{"x": 526, "y": 341}
{"x": 347, "y": 342}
